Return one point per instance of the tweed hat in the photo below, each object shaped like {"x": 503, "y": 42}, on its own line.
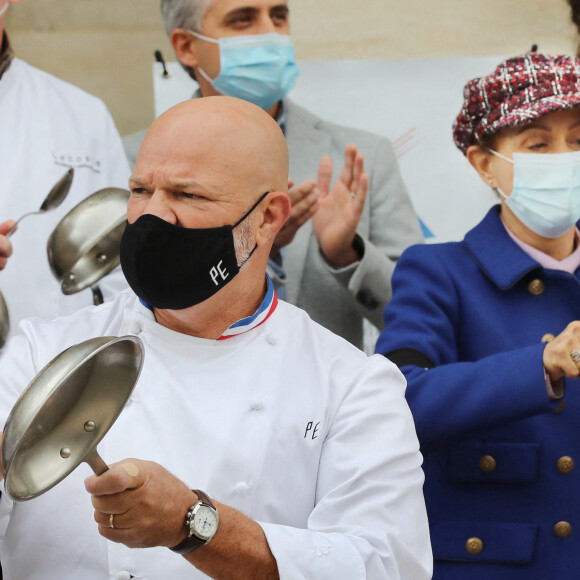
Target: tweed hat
{"x": 520, "y": 90}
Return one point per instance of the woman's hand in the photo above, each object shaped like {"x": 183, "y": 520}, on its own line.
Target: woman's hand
{"x": 557, "y": 359}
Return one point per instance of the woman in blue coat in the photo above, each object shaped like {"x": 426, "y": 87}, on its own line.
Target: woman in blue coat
{"x": 486, "y": 331}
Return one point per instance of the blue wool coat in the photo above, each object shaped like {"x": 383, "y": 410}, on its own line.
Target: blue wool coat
{"x": 467, "y": 324}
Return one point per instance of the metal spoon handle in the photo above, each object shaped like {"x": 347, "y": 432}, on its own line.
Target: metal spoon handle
{"x": 11, "y": 230}
{"x": 95, "y": 461}
{"x": 54, "y": 198}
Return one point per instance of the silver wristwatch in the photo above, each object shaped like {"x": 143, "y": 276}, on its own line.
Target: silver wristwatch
{"x": 201, "y": 521}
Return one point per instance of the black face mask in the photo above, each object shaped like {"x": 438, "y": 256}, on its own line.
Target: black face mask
{"x": 171, "y": 267}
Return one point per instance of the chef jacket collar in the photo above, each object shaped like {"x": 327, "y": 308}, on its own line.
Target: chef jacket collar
{"x": 243, "y": 325}
{"x": 500, "y": 258}
{"x": 264, "y": 311}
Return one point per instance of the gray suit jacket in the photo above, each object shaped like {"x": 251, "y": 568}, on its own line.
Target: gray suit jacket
{"x": 340, "y": 299}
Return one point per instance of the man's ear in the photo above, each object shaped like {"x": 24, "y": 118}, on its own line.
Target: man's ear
{"x": 184, "y": 45}
{"x": 274, "y": 217}
{"x": 480, "y": 159}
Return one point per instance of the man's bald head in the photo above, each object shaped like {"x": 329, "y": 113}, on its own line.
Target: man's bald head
{"x": 205, "y": 164}
{"x": 240, "y": 143}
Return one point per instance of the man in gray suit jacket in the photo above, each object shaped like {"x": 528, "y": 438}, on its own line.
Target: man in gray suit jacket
{"x": 335, "y": 256}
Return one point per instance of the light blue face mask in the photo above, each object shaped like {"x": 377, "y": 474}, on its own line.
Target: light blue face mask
{"x": 546, "y": 191}
{"x": 259, "y": 68}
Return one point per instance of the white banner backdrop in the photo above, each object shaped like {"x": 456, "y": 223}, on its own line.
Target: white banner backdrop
{"x": 413, "y": 102}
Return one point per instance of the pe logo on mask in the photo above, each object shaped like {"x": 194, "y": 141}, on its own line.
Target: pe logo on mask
{"x": 217, "y": 272}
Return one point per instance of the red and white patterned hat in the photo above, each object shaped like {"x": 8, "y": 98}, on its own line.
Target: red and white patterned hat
{"x": 520, "y": 90}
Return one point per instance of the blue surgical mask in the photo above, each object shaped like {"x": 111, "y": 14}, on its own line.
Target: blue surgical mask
{"x": 259, "y": 68}
{"x": 546, "y": 191}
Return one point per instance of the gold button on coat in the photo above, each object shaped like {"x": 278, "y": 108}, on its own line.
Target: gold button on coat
{"x": 565, "y": 464}
{"x": 487, "y": 464}
{"x": 562, "y": 529}
{"x": 536, "y": 287}
{"x": 474, "y": 546}
{"x": 548, "y": 337}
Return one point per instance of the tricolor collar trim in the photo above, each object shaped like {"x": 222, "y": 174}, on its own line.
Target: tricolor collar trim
{"x": 259, "y": 317}
{"x": 264, "y": 311}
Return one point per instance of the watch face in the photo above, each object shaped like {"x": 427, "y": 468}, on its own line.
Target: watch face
{"x": 204, "y": 522}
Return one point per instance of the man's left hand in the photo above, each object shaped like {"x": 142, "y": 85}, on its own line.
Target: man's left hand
{"x": 339, "y": 209}
{"x": 148, "y": 504}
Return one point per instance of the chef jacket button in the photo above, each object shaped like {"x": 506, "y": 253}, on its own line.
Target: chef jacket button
{"x": 487, "y": 464}
{"x": 562, "y": 529}
{"x": 135, "y": 328}
{"x": 241, "y": 487}
{"x": 549, "y": 337}
{"x": 474, "y": 546}
{"x": 257, "y": 406}
{"x": 272, "y": 339}
{"x": 536, "y": 287}
{"x": 565, "y": 464}
{"x": 124, "y": 575}
{"x": 559, "y": 408}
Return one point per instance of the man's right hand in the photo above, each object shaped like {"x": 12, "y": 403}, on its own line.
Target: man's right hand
{"x": 5, "y": 245}
{"x": 304, "y": 200}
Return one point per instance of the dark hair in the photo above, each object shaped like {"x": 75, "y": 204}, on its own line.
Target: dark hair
{"x": 575, "y": 6}
{"x": 488, "y": 141}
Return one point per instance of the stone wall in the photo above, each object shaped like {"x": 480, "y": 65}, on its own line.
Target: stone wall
{"x": 106, "y": 46}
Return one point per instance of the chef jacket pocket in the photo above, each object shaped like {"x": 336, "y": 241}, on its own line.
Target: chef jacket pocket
{"x": 493, "y": 462}
{"x": 491, "y": 542}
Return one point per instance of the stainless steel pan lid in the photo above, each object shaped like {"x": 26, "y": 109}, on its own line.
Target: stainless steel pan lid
{"x": 65, "y": 411}
{"x": 4, "y": 321}
{"x": 85, "y": 245}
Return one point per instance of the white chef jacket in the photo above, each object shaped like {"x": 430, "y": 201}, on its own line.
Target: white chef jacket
{"x": 288, "y": 423}
{"x": 48, "y": 125}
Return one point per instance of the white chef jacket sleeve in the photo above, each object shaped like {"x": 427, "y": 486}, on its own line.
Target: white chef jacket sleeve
{"x": 6, "y": 503}
{"x": 17, "y": 369}
{"x": 369, "y": 520}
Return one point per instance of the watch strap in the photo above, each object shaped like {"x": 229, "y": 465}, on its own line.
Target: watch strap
{"x": 192, "y": 542}
{"x": 203, "y": 497}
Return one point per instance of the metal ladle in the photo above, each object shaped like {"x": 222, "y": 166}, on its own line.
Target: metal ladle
{"x": 54, "y": 198}
{"x": 65, "y": 411}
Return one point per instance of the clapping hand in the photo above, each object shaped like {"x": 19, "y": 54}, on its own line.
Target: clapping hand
{"x": 304, "y": 200}
{"x": 339, "y": 210}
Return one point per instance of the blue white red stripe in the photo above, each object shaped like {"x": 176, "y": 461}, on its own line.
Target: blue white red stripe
{"x": 259, "y": 317}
